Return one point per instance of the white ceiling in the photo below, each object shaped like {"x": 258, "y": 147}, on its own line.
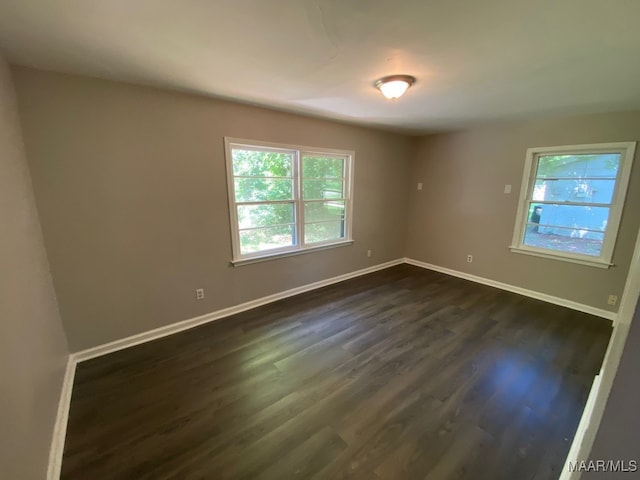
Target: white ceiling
{"x": 474, "y": 59}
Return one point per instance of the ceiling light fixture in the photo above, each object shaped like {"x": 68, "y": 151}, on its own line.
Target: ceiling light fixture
{"x": 394, "y": 86}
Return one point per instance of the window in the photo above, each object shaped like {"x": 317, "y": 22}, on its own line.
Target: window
{"x": 286, "y": 199}
{"x": 571, "y": 202}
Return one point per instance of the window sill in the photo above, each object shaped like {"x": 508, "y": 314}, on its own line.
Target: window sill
{"x": 273, "y": 256}
{"x": 564, "y": 258}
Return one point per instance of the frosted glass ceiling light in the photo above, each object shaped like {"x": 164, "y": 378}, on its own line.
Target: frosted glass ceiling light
{"x": 394, "y": 86}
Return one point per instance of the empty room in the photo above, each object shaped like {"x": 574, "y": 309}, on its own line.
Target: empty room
{"x": 319, "y": 239}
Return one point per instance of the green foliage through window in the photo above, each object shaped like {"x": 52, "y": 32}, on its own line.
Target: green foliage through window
{"x": 270, "y": 198}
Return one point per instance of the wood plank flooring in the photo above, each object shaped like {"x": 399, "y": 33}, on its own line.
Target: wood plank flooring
{"x": 400, "y": 374}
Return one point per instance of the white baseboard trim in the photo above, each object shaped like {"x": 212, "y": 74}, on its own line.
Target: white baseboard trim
{"x": 160, "y": 332}
{"x": 57, "y": 446}
{"x": 596, "y": 403}
{"x": 225, "y": 312}
{"x": 572, "y": 457}
{"x": 521, "y": 291}
{"x": 599, "y": 394}
{"x": 62, "y": 417}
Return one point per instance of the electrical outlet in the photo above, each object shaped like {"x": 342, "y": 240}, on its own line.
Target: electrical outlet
{"x": 368, "y": 253}
{"x": 469, "y": 258}
{"x": 507, "y": 189}
{"x": 420, "y": 186}
{"x": 613, "y": 299}
{"x": 199, "y": 293}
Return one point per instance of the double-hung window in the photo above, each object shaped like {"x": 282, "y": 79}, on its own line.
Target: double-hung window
{"x": 571, "y": 202}
{"x": 286, "y": 199}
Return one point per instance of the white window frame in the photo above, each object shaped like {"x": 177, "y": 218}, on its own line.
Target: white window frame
{"x": 297, "y": 152}
{"x": 626, "y": 151}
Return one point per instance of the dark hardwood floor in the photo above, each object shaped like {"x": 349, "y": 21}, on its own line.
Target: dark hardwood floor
{"x": 400, "y": 374}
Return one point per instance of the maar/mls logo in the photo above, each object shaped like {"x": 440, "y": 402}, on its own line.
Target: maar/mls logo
{"x": 622, "y": 466}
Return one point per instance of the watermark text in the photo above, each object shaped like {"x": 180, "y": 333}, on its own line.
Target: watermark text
{"x": 621, "y": 466}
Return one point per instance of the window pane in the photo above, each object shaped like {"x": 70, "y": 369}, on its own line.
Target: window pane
{"x": 322, "y": 167}
{"x": 323, "y": 211}
{"x": 573, "y": 217}
{"x": 602, "y": 165}
{"x": 266, "y": 238}
{"x": 261, "y": 189}
{"x": 251, "y": 216}
{"x": 586, "y": 191}
{"x": 564, "y": 240}
{"x": 324, "y": 231}
{"x": 322, "y": 189}
{"x": 251, "y": 163}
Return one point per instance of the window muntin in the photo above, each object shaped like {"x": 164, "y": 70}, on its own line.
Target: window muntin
{"x": 571, "y": 201}
{"x": 286, "y": 199}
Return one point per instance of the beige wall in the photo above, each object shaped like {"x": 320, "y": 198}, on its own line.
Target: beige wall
{"x": 130, "y": 184}
{"x": 33, "y": 349}
{"x": 463, "y": 210}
